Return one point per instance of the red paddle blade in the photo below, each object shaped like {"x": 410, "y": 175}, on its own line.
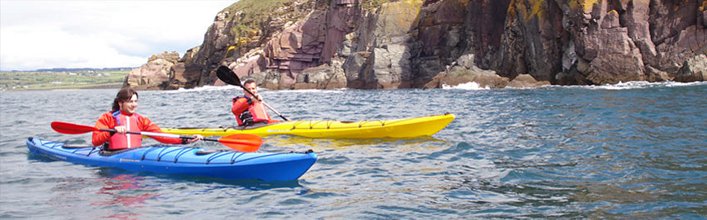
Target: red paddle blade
{"x": 242, "y": 142}
{"x": 69, "y": 128}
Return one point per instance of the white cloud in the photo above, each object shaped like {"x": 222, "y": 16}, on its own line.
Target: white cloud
{"x": 120, "y": 33}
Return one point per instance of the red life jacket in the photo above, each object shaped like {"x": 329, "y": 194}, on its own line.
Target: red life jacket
{"x": 255, "y": 111}
{"x": 124, "y": 141}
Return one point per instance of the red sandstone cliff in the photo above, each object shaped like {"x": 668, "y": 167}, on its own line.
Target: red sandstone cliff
{"x": 414, "y": 43}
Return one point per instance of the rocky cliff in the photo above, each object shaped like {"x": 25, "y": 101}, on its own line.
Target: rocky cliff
{"x": 373, "y": 44}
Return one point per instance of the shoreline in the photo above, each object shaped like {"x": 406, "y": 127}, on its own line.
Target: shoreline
{"x": 101, "y": 86}
{"x": 619, "y": 86}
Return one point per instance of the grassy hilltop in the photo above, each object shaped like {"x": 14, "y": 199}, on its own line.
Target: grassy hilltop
{"x": 65, "y": 79}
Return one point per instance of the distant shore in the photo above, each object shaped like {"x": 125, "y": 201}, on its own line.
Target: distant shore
{"x": 101, "y": 86}
{"x": 86, "y": 79}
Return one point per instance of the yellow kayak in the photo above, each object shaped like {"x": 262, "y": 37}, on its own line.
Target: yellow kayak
{"x": 396, "y": 128}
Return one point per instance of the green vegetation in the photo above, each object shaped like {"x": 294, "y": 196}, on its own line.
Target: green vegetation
{"x": 250, "y": 18}
{"x": 257, "y": 6}
{"x": 250, "y": 13}
{"x": 62, "y": 79}
{"x": 372, "y": 5}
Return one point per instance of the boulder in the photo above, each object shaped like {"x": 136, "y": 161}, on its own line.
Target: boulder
{"x": 526, "y": 81}
{"x": 154, "y": 73}
{"x": 694, "y": 69}
{"x": 459, "y": 75}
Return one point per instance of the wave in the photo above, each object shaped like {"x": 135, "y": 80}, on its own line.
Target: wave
{"x": 466, "y": 86}
{"x": 618, "y": 86}
{"x": 231, "y": 87}
{"x": 205, "y": 88}
{"x": 637, "y": 85}
{"x": 311, "y": 91}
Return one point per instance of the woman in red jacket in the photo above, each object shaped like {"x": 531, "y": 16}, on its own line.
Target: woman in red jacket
{"x": 124, "y": 118}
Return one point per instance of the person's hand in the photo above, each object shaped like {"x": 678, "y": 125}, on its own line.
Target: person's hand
{"x": 120, "y": 129}
{"x": 257, "y": 97}
{"x": 195, "y": 138}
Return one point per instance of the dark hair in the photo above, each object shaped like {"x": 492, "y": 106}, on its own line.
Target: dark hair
{"x": 248, "y": 81}
{"x": 125, "y": 94}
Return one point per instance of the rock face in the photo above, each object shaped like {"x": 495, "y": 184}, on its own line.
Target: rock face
{"x": 154, "y": 73}
{"x": 369, "y": 44}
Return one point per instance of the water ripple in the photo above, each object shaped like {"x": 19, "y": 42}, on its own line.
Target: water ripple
{"x": 630, "y": 151}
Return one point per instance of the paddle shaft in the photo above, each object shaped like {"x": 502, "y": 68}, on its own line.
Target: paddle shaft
{"x": 239, "y": 142}
{"x": 266, "y": 104}
{"x": 158, "y": 134}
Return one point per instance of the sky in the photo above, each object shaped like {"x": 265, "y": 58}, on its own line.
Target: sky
{"x": 41, "y": 34}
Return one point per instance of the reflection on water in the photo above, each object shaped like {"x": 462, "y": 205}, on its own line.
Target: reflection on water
{"x": 319, "y": 145}
{"x": 123, "y": 193}
{"x": 113, "y": 173}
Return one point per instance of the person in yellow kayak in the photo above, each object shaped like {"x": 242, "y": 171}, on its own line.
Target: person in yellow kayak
{"x": 248, "y": 109}
{"x": 124, "y": 118}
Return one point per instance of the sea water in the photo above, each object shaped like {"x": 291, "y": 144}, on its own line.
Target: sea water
{"x": 632, "y": 150}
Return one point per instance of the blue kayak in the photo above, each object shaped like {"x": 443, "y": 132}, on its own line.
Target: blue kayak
{"x": 181, "y": 160}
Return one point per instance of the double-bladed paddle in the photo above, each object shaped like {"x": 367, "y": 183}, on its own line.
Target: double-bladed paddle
{"x": 227, "y": 75}
{"x": 238, "y": 142}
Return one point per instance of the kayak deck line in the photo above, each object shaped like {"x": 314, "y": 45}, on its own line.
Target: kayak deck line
{"x": 164, "y": 151}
